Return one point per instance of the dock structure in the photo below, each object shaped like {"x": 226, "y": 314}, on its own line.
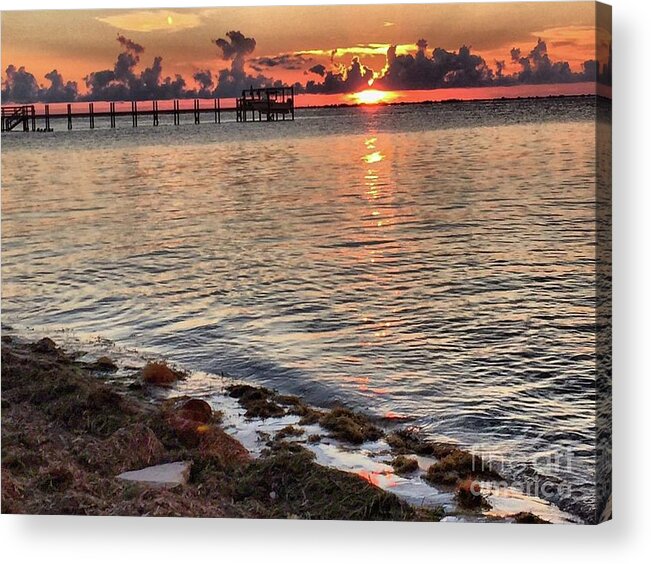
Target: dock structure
{"x": 15, "y": 117}
{"x": 273, "y": 103}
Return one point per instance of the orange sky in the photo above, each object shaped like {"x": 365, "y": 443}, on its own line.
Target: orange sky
{"x": 78, "y": 42}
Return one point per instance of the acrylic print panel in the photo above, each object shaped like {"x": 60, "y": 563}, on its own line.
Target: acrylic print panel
{"x": 360, "y": 272}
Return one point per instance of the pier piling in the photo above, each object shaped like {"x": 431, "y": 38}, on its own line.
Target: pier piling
{"x": 197, "y": 118}
{"x": 177, "y": 118}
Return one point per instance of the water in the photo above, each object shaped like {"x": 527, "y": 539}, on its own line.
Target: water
{"x": 434, "y": 263}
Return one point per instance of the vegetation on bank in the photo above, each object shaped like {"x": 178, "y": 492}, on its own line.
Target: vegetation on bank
{"x": 66, "y": 434}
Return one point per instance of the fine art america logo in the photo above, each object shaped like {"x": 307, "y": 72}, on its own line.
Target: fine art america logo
{"x": 539, "y": 476}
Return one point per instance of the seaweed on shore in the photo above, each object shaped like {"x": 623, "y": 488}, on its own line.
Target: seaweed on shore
{"x": 410, "y": 441}
{"x": 403, "y": 465}
{"x": 346, "y": 425}
{"x": 453, "y": 464}
{"x": 526, "y": 518}
{"x": 469, "y": 496}
{"x": 457, "y": 466}
{"x": 66, "y": 434}
{"x": 289, "y": 431}
{"x": 63, "y": 391}
{"x": 161, "y": 374}
{"x": 298, "y": 487}
{"x": 258, "y": 402}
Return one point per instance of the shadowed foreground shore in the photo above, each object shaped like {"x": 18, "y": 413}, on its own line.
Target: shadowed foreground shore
{"x": 72, "y": 439}
{"x": 66, "y": 435}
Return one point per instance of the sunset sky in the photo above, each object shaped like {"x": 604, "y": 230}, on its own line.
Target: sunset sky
{"x": 289, "y": 41}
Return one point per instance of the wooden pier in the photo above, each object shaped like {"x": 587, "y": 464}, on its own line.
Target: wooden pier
{"x": 18, "y": 117}
{"x": 273, "y": 103}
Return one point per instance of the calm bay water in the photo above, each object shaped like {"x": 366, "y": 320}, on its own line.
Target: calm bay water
{"x": 434, "y": 263}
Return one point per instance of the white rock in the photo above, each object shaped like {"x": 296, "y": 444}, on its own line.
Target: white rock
{"x": 161, "y": 476}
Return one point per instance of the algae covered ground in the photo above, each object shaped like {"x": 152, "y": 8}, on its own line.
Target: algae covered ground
{"x": 67, "y": 434}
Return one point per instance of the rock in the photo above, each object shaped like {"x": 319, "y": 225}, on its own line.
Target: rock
{"x": 159, "y": 374}
{"x": 469, "y": 495}
{"x": 219, "y": 445}
{"x": 45, "y": 345}
{"x": 168, "y": 475}
{"x": 105, "y": 364}
{"x": 188, "y": 419}
{"x": 196, "y": 410}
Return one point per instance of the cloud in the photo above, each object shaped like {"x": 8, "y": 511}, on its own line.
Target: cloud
{"x": 205, "y": 81}
{"x": 417, "y": 68}
{"x": 59, "y": 90}
{"x": 236, "y": 48}
{"x": 318, "y": 69}
{"x": 405, "y": 68}
{"x": 538, "y": 68}
{"x": 153, "y": 20}
{"x": 350, "y": 79}
{"x": 124, "y": 83}
{"x": 19, "y": 85}
{"x": 289, "y": 61}
{"x": 130, "y": 45}
{"x": 440, "y": 70}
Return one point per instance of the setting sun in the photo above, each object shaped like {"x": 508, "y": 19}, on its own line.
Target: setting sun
{"x": 372, "y": 96}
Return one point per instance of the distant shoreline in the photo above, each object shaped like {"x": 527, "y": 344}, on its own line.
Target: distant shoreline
{"x": 460, "y": 101}
{"x": 228, "y": 109}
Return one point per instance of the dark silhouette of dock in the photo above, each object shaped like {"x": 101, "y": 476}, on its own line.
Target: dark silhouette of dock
{"x": 270, "y": 102}
{"x": 273, "y": 104}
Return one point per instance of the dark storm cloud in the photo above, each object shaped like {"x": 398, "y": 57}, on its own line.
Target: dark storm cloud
{"x": 230, "y": 82}
{"x": 287, "y": 61}
{"x": 538, "y": 68}
{"x": 205, "y": 81}
{"x": 440, "y": 70}
{"x": 130, "y": 45}
{"x": 124, "y": 83}
{"x": 19, "y": 85}
{"x": 499, "y": 69}
{"x": 124, "y": 66}
{"x": 424, "y": 69}
{"x": 236, "y": 46}
{"x": 59, "y": 90}
{"x": 349, "y": 79}
{"x": 318, "y": 69}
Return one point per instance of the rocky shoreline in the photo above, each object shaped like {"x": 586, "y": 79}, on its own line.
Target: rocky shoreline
{"x": 74, "y": 441}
